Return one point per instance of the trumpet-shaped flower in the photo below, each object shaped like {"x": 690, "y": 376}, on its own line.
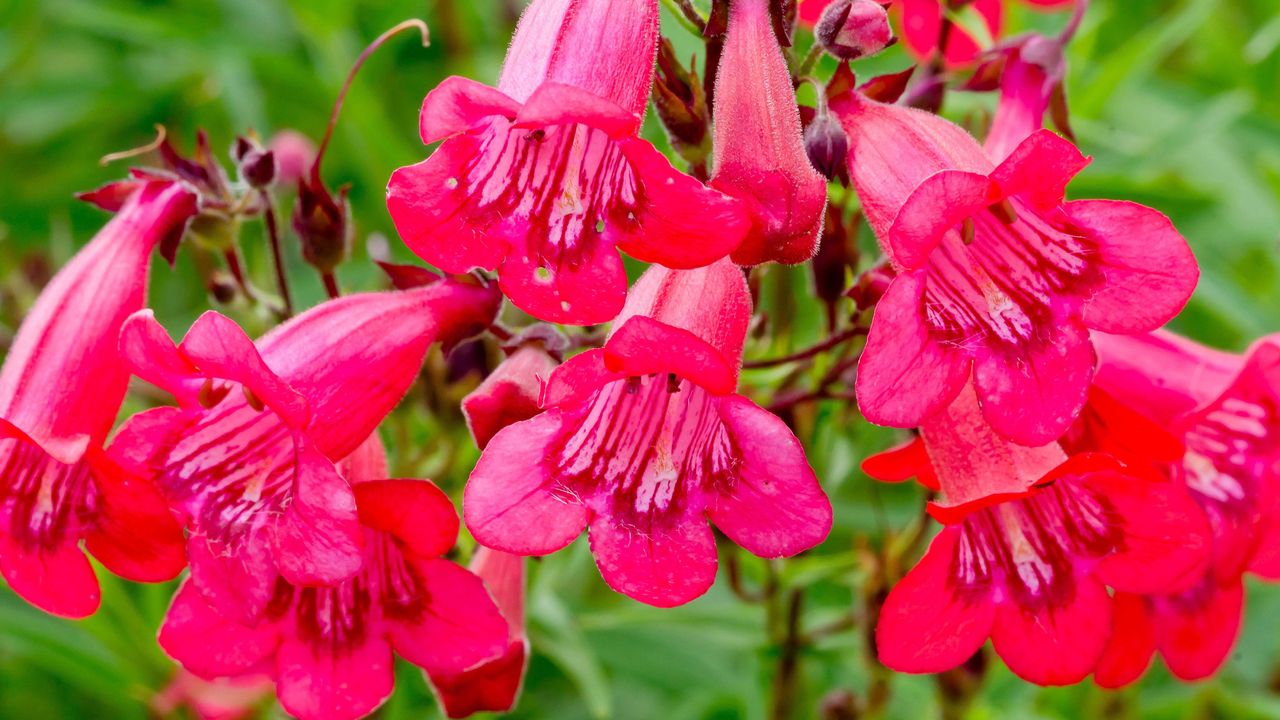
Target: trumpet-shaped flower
{"x": 60, "y": 390}
{"x": 247, "y": 457}
{"x": 644, "y": 441}
{"x": 330, "y": 649}
{"x": 998, "y": 279}
{"x": 544, "y": 177}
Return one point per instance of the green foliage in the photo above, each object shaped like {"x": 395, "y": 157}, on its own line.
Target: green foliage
{"x": 1176, "y": 100}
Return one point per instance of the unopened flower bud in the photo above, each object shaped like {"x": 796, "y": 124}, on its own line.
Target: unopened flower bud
{"x": 871, "y": 286}
{"x": 850, "y": 29}
{"x": 320, "y": 220}
{"x": 682, "y": 106}
{"x": 222, "y": 287}
{"x": 294, "y": 153}
{"x": 257, "y": 166}
{"x": 826, "y": 145}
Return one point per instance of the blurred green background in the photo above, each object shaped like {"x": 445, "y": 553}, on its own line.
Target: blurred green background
{"x": 1177, "y": 100}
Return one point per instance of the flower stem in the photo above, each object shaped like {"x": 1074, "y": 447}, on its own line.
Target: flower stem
{"x": 331, "y": 285}
{"x": 277, "y": 256}
{"x": 687, "y": 15}
{"x": 809, "y": 352}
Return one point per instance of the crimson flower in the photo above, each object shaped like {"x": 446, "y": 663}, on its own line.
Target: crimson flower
{"x": 1032, "y": 538}
{"x": 510, "y": 393}
{"x": 330, "y": 648}
{"x": 60, "y": 390}
{"x": 644, "y": 441}
{"x": 252, "y": 472}
{"x": 1224, "y": 409}
{"x": 492, "y": 686}
{"x": 544, "y": 176}
{"x": 998, "y": 278}
{"x": 759, "y": 154}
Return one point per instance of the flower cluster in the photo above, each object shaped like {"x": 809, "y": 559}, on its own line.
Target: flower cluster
{"x": 1102, "y": 485}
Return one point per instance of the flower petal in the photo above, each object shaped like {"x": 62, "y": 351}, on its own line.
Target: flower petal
{"x": 458, "y": 104}
{"x": 925, "y": 625}
{"x": 512, "y": 502}
{"x": 662, "y": 560}
{"x": 555, "y": 103}
{"x": 901, "y": 463}
{"x": 643, "y": 346}
{"x": 582, "y": 285}
{"x": 489, "y": 687}
{"x": 1132, "y": 643}
{"x": 415, "y": 512}
{"x": 221, "y": 349}
{"x": 237, "y": 577}
{"x": 905, "y": 376}
{"x": 460, "y": 626}
{"x": 1032, "y": 395}
{"x": 58, "y": 580}
{"x": 318, "y": 540}
{"x": 1039, "y": 169}
{"x": 1055, "y": 645}
{"x": 577, "y": 379}
{"x": 937, "y": 205}
{"x": 776, "y": 507}
{"x": 1148, "y": 268}
{"x": 136, "y": 536}
{"x": 1195, "y": 638}
{"x": 318, "y": 682}
{"x": 209, "y": 644}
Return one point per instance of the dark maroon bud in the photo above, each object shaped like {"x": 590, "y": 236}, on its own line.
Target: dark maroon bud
{"x": 871, "y": 286}
{"x": 826, "y": 144}
{"x": 222, "y": 287}
{"x": 321, "y": 222}
{"x": 850, "y": 29}
{"x": 681, "y": 104}
{"x": 839, "y": 705}
{"x": 837, "y": 258}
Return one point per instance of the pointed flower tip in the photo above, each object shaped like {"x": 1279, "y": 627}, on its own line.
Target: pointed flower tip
{"x": 851, "y": 29}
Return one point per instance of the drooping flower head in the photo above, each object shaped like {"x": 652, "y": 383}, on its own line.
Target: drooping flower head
{"x": 1032, "y": 538}
{"x": 544, "y": 177}
{"x": 759, "y": 153}
{"x": 998, "y": 278}
{"x": 644, "y": 441}
{"x": 60, "y": 390}
{"x": 1224, "y": 409}
{"x": 330, "y": 648}
{"x": 247, "y": 457}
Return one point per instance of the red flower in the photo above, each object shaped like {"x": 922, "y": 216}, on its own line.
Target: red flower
{"x": 252, "y": 471}
{"x": 998, "y": 277}
{"x": 330, "y": 648}
{"x": 1032, "y": 539}
{"x": 60, "y": 390}
{"x": 492, "y": 686}
{"x": 542, "y": 177}
{"x": 510, "y": 394}
{"x": 759, "y": 154}
{"x": 644, "y": 441}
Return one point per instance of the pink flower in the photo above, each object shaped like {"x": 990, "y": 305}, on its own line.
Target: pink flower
{"x": 922, "y": 23}
{"x": 759, "y": 154}
{"x": 1032, "y": 539}
{"x": 544, "y": 176}
{"x": 644, "y": 441}
{"x": 998, "y": 278}
{"x": 510, "y": 394}
{"x": 851, "y": 29}
{"x": 251, "y": 467}
{"x": 492, "y": 686}
{"x": 222, "y": 699}
{"x": 60, "y": 390}
{"x": 330, "y": 648}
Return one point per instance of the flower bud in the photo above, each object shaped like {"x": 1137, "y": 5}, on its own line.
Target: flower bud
{"x": 222, "y": 287}
{"x": 826, "y": 145}
{"x": 294, "y": 153}
{"x": 257, "y": 167}
{"x": 850, "y": 29}
{"x": 681, "y": 103}
{"x": 321, "y": 222}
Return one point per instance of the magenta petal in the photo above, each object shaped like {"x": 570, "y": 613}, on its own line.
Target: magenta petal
{"x": 1055, "y": 645}
{"x": 58, "y": 580}
{"x": 904, "y": 375}
{"x": 236, "y": 577}
{"x": 662, "y": 560}
{"x": 938, "y": 204}
{"x": 430, "y": 206}
{"x": 644, "y": 346}
{"x": 460, "y": 626}
{"x": 1039, "y": 169}
{"x": 511, "y": 502}
{"x": 135, "y": 535}
{"x": 925, "y": 625}
{"x": 415, "y": 512}
{"x": 1196, "y": 637}
{"x": 682, "y": 223}
{"x": 776, "y": 507}
{"x": 318, "y": 540}
{"x": 489, "y": 687}
{"x": 586, "y": 289}
{"x": 1031, "y": 395}
{"x": 208, "y": 644}
{"x": 1132, "y": 643}
{"x": 1167, "y": 543}
{"x": 458, "y": 104}
{"x": 577, "y": 379}
{"x": 316, "y": 681}
{"x": 1148, "y": 267}
{"x": 153, "y": 356}
{"x": 559, "y": 104}
{"x": 220, "y": 349}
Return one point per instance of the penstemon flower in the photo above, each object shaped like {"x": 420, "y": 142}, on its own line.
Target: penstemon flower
{"x": 644, "y": 441}
{"x": 60, "y": 390}
{"x": 544, "y": 177}
{"x": 330, "y": 648}
{"x": 759, "y": 154}
{"x": 1032, "y": 538}
{"x": 998, "y": 278}
{"x": 251, "y": 467}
